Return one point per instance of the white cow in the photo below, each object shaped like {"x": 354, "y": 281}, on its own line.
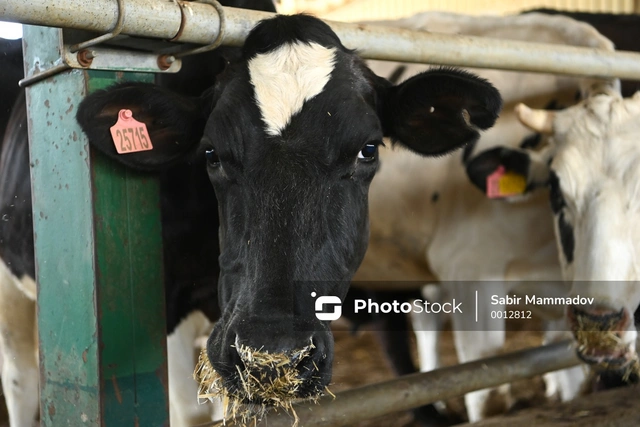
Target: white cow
{"x": 428, "y": 223}
{"x": 592, "y": 166}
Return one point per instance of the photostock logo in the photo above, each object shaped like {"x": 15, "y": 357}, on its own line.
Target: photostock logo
{"x": 333, "y": 302}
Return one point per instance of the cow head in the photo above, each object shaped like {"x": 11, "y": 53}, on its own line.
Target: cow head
{"x": 290, "y": 134}
{"x": 592, "y": 168}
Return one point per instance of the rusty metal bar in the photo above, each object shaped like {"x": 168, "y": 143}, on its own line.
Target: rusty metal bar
{"x": 415, "y": 390}
{"x": 199, "y": 23}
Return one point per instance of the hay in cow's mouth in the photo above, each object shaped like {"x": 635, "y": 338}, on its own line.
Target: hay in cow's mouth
{"x": 600, "y": 346}
{"x": 268, "y": 381}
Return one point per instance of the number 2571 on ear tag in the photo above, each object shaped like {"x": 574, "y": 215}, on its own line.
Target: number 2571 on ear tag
{"x": 130, "y": 135}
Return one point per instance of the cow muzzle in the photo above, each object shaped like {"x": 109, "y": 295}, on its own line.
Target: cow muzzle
{"x": 251, "y": 379}
{"x": 603, "y": 337}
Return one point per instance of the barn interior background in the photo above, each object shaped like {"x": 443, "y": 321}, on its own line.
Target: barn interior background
{"x": 362, "y": 351}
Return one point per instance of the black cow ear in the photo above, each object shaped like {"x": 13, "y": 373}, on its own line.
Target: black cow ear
{"x": 504, "y": 172}
{"x": 174, "y": 123}
{"x": 439, "y": 110}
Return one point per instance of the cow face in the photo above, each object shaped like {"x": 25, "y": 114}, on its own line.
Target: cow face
{"x": 290, "y": 135}
{"x": 592, "y": 169}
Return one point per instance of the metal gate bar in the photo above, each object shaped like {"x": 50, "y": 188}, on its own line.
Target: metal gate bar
{"x": 411, "y": 391}
{"x": 151, "y": 18}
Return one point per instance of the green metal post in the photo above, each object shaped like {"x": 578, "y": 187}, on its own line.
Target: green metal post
{"x": 101, "y": 305}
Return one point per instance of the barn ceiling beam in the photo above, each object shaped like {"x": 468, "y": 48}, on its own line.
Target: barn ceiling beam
{"x": 199, "y": 22}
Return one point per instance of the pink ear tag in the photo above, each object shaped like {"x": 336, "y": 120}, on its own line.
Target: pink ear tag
{"x": 130, "y": 135}
{"x": 504, "y": 184}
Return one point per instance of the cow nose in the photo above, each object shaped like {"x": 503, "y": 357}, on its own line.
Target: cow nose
{"x": 269, "y": 363}
{"x": 598, "y": 318}
{"x": 290, "y": 372}
{"x": 602, "y": 336}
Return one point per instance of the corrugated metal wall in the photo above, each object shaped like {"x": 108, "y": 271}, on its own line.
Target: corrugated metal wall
{"x": 356, "y": 10}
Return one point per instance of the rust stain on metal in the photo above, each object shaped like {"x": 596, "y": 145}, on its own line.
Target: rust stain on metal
{"x": 52, "y": 410}
{"x": 183, "y": 20}
{"x": 47, "y": 103}
{"x": 84, "y": 356}
{"x": 70, "y": 109}
{"x": 116, "y": 388}
{"x": 165, "y": 61}
{"x": 85, "y": 57}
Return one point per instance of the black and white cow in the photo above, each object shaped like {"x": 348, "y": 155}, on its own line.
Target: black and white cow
{"x": 288, "y": 136}
{"x": 592, "y": 168}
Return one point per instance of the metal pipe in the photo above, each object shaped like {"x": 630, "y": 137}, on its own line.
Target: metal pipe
{"x": 105, "y": 37}
{"x": 415, "y": 390}
{"x": 27, "y": 81}
{"x": 162, "y": 19}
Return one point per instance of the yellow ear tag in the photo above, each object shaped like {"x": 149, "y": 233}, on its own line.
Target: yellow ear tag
{"x": 504, "y": 184}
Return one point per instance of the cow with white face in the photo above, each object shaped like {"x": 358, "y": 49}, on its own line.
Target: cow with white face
{"x": 592, "y": 167}
{"x": 290, "y": 134}
{"x": 429, "y": 223}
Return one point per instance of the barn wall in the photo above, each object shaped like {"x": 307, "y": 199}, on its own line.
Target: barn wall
{"x": 355, "y": 10}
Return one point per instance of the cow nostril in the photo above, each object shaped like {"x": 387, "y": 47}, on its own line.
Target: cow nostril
{"x": 599, "y": 319}
{"x": 270, "y": 377}
{"x": 258, "y": 358}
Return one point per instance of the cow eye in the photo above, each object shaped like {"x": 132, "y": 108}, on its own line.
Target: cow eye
{"x": 368, "y": 151}
{"x": 212, "y": 157}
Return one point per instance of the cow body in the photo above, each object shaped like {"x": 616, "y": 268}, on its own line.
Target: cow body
{"x": 269, "y": 163}
{"x": 432, "y": 224}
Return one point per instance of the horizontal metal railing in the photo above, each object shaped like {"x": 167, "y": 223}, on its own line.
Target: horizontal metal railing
{"x": 199, "y": 23}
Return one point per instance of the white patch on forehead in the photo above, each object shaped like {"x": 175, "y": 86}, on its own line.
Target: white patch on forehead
{"x": 285, "y": 78}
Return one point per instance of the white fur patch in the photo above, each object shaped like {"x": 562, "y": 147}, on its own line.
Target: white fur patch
{"x": 285, "y": 78}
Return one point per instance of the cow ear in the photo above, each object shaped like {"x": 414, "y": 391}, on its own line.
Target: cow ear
{"x": 504, "y": 172}
{"x": 175, "y": 123}
{"x": 439, "y": 110}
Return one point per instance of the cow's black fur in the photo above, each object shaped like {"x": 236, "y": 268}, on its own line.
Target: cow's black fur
{"x": 10, "y": 72}
{"x": 16, "y": 234}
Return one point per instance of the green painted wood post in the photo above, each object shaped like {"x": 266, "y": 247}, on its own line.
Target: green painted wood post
{"x": 101, "y": 303}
